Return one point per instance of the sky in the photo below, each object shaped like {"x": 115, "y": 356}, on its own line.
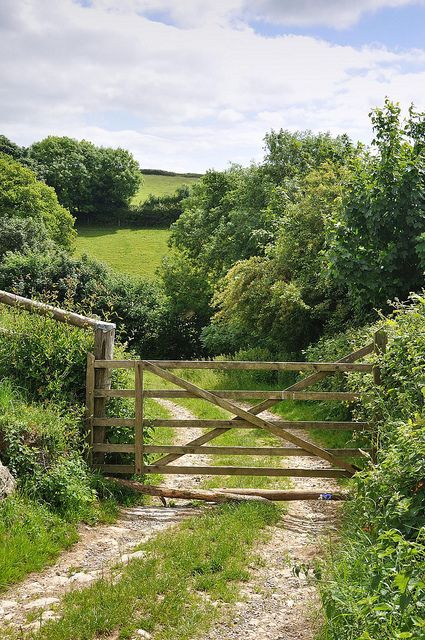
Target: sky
{"x": 188, "y": 85}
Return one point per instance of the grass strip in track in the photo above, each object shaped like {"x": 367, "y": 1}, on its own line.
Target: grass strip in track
{"x": 176, "y": 589}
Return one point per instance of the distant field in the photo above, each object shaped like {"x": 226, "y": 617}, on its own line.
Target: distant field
{"x": 137, "y": 252}
{"x": 160, "y": 186}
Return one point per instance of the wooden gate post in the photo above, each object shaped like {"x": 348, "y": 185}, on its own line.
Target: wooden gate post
{"x": 138, "y": 421}
{"x": 104, "y": 340}
{"x": 380, "y": 340}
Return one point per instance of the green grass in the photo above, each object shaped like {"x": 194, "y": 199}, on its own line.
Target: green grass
{"x": 136, "y": 252}
{"x": 176, "y": 590}
{"x": 158, "y": 185}
{"x": 210, "y": 379}
{"x": 30, "y": 537}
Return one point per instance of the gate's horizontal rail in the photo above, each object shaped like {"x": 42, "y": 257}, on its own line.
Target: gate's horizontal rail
{"x": 233, "y": 424}
{"x": 238, "y": 423}
{"x": 247, "y": 451}
{"x": 114, "y": 422}
{"x": 215, "y": 450}
{"x": 226, "y": 471}
{"x": 248, "y": 471}
{"x": 238, "y": 364}
{"x": 270, "y": 395}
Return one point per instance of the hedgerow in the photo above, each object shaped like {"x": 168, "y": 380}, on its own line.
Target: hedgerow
{"x": 372, "y": 585}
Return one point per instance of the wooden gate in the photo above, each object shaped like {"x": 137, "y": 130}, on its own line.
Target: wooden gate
{"x": 138, "y": 452}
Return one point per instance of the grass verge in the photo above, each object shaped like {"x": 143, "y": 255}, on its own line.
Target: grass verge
{"x": 28, "y": 548}
{"x": 175, "y": 590}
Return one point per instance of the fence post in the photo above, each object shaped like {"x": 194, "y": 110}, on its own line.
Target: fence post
{"x": 90, "y": 404}
{"x": 138, "y": 422}
{"x": 104, "y": 340}
{"x": 380, "y": 340}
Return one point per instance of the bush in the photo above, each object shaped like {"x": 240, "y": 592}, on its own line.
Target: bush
{"x": 44, "y": 357}
{"x": 23, "y": 196}
{"x": 145, "y": 319}
{"x": 375, "y": 576}
{"x": 23, "y": 235}
{"x": 42, "y": 448}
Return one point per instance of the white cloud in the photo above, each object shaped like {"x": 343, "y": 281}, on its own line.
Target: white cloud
{"x": 183, "y": 98}
{"x": 190, "y": 13}
{"x": 339, "y": 14}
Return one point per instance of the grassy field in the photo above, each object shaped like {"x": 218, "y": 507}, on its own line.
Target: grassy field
{"x": 137, "y": 252}
{"x": 160, "y": 186}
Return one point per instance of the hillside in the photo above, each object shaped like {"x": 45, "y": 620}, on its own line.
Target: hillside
{"x": 136, "y": 252}
{"x": 161, "y": 185}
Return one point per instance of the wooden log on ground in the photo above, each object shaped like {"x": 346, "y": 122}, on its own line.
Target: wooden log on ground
{"x": 188, "y": 494}
{"x": 282, "y": 496}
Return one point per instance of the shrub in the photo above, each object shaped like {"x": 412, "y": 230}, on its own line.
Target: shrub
{"x": 372, "y": 587}
{"x": 23, "y": 235}
{"x": 43, "y": 356}
{"x": 23, "y": 196}
{"x": 42, "y": 448}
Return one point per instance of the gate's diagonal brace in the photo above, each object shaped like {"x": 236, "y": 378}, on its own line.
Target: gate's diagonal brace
{"x": 266, "y": 404}
{"x": 249, "y": 417}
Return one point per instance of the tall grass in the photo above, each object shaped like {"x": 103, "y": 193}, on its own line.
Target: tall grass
{"x": 31, "y": 536}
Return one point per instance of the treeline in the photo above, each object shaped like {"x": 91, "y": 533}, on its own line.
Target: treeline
{"x": 311, "y": 241}
{"x": 96, "y": 184}
{"x": 161, "y": 172}
{"x": 267, "y": 258}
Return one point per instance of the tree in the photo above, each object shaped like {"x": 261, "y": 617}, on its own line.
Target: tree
{"x": 375, "y": 240}
{"x": 23, "y": 196}
{"x": 283, "y": 300}
{"x": 115, "y": 179}
{"x": 87, "y": 179}
{"x": 10, "y": 148}
{"x": 291, "y": 154}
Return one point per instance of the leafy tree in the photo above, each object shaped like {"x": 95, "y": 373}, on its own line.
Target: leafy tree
{"x": 67, "y": 165}
{"x": 295, "y": 154}
{"x": 87, "y": 179}
{"x": 376, "y": 237}
{"x": 283, "y": 300}
{"x": 23, "y": 196}
{"x": 10, "y": 148}
{"x": 115, "y": 179}
{"x": 22, "y": 235}
{"x": 224, "y": 219}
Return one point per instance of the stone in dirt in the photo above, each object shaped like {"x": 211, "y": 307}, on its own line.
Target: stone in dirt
{"x": 7, "y": 482}
{"x": 41, "y": 603}
{"x": 82, "y": 577}
{"x": 141, "y": 633}
{"x": 125, "y": 559}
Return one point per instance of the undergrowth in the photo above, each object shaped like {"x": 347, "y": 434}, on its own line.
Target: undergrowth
{"x": 373, "y": 580}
